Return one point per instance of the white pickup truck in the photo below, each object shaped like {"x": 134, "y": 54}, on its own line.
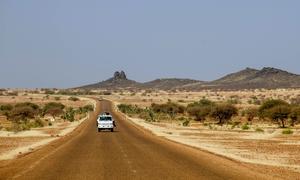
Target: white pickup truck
{"x": 105, "y": 122}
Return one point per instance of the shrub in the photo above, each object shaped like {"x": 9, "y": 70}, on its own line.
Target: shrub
{"x": 169, "y": 108}
{"x": 245, "y": 127}
{"x": 32, "y": 105}
{"x": 223, "y": 112}
{"x": 287, "y": 131}
{"x": 280, "y": 114}
{"x": 73, "y": 98}
{"x": 129, "y": 109}
{"x": 235, "y": 124}
{"x": 48, "y": 91}
{"x": 295, "y": 115}
{"x": 23, "y": 112}
{"x": 233, "y": 101}
{"x": 295, "y": 101}
{"x": 53, "y": 105}
{"x": 251, "y": 113}
{"x": 37, "y": 123}
{"x": 13, "y": 93}
{"x": 54, "y": 109}
{"x": 259, "y": 130}
{"x": 186, "y": 122}
{"x": 6, "y": 107}
{"x": 263, "y": 110}
{"x": 88, "y": 108}
{"x": 200, "y": 110}
{"x": 57, "y": 98}
{"x": 148, "y": 115}
{"x": 69, "y": 114}
{"x": 107, "y": 93}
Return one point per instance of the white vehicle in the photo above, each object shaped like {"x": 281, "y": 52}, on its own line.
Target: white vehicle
{"x": 105, "y": 122}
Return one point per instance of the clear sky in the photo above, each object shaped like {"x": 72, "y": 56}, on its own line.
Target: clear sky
{"x": 67, "y": 43}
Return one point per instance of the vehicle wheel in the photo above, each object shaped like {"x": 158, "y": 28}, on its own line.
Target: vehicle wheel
{"x": 99, "y": 129}
{"x": 112, "y": 130}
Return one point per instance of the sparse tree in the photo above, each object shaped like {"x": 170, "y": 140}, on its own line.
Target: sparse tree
{"x": 264, "y": 109}
{"x": 280, "y": 114}
{"x": 295, "y": 115}
{"x": 200, "y": 110}
{"x": 223, "y": 112}
{"x": 251, "y": 113}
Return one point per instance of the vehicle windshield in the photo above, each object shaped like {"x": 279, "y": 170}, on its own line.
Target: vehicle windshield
{"x": 105, "y": 118}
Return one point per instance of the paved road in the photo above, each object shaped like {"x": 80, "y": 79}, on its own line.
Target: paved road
{"x": 128, "y": 153}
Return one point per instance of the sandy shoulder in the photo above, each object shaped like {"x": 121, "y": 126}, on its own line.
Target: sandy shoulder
{"x": 14, "y": 144}
{"x": 255, "y": 148}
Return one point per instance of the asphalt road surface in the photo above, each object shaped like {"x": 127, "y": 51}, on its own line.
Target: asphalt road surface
{"x": 128, "y": 153}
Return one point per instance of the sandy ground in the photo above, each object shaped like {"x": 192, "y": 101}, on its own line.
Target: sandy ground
{"x": 266, "y": 148}
{"x": 13, "y": 144}
{"x": 270, "y": 148}
{"x": 41, "y": 99}
{"x": 243, "y": 97}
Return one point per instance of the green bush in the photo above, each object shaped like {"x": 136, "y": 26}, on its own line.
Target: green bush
{"x": 129, "y": 109}
{"x": 223, "y": 112}
{"x": 186, "y": 122}
{"x": 148, "y": 115}
{"x": 169, "y": 108}
{"x": 69, "y": 114}
{"x": 251, "y": 113}
{"x": 54, "y": 109}
{"x": 295, "y": 115}
{"x": 53, "y": 105}
{"x": 72, "y": 98}
{"x": 287, "y": 131}
{"x": 245, "y": 127}
{"x": 259, "y": 130}
{"x": 48, "y": 91}
{"x": 200, "y": 110}
{"x": 88, "y": 108}
{"x": 85, "y": 109}
{"x": 23, "y": 112}
{"x": 264, "y": 109}
{"x": 280, "y": 114}
{"x": 27, "y": 104}
{"x": 235, "y": 124}
{"x": 6, "y": 107}
{"x": 107, "y": 93}
{"x": 37, "y": 123}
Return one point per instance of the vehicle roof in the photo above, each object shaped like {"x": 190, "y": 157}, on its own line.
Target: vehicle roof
{"x": 104, "y": 115}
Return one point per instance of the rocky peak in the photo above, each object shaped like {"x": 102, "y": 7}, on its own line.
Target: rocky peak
{"x": 270, "y": 70}
{"x": 120, "y": 75}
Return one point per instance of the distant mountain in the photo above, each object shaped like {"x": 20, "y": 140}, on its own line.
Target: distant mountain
{"x": 118, "y": 81}
{"x": 236, "y": 77}
{"x": 167, "y": 84}
{"x": 248, "y": 78}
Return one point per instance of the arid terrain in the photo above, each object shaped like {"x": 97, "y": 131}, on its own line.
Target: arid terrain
{"x": 261, "y": 143}
{"x": 15, "y": 141}
{"x": 260, "y": 146}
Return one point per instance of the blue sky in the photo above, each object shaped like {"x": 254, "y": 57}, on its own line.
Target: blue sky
{"x": 69, "y": 43}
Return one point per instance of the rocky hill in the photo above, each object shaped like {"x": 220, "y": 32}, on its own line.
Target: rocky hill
{"x": 246, "y": 79}
{"x": 236, "y": 77}
{"x": 118, "y": 81}
{"x": 167, "y": 84}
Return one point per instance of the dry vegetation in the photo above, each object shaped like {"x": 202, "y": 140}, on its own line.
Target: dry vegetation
{"x": 252, "y": 131}
{"x": 37, "y": 117}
